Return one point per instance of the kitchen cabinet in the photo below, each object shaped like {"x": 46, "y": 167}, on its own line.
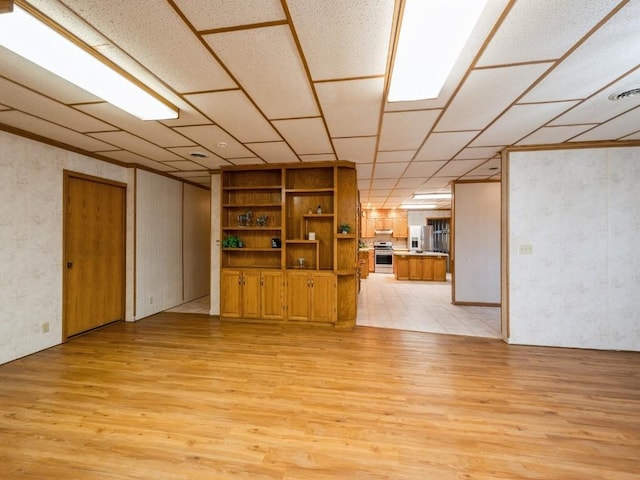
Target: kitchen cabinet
{"x": 363, "y": 263}
{"x": 401, "y": 267}
{"x": 251, "y": 294}
{"x": 311, "y": 296}
{"x": 372, "y": 261}
{"x": 395, "y": 220}
{"x": 415, "y": 266}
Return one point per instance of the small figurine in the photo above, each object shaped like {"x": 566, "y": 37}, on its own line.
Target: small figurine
{"x": 319, "y": 210}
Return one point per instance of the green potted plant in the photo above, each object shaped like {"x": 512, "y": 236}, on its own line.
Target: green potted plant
{"x": 231, "y": 241}
{"x": 344, "y": 228}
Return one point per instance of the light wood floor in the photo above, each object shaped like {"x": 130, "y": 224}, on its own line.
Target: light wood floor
{"x": 179, "y": 396}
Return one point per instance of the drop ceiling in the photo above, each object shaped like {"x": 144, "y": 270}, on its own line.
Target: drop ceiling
{"x": 286, "y": 81}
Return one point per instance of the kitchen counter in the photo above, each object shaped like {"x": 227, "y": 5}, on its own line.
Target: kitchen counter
{"x": 420, "y": 254}
{"x": 429, "y": 266}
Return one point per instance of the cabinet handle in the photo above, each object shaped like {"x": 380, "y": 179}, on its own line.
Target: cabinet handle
{"x": 239, "y": 280}
{"x": 262, "y": 281}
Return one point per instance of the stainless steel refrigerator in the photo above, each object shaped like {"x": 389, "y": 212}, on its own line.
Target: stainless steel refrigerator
{"x": 420, "y": 238}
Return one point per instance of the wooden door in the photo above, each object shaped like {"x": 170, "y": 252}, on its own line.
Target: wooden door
{"x": 323, "y": 297}
{"x": 271, "y": 294}
{"x": 251, "y": 294}
{"x": 230, "y": 293}
{"x": 298, "y": 284}
{"x": 94, "y": 253}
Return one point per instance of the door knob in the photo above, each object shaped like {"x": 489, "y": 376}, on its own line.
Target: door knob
{"x": 69, "y": 264}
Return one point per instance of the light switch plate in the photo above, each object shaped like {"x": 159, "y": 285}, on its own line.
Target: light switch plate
{"x": 525, "y": 249}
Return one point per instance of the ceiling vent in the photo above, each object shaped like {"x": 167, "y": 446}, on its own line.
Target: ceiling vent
{"x": 621, "y": 95}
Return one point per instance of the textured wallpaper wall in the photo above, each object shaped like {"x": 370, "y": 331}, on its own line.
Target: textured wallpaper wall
{"x": 579, "y": 210}
{"x": 31, "y": 214}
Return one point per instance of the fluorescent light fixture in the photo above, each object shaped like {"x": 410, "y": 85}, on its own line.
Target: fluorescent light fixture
{"x": 432, "y": 35}
{"x": 426, "y": 206}
{"x": 34, "y": 40}
{"x": 432, "y": 196}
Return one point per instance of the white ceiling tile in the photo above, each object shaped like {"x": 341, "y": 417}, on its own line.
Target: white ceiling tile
{"x": 549, "y": 135}
{"x": 135, "y": 144}
{"x": 401, "y": 192}
{"x": 132, "y": 158}
{"x": 581, "y": 74}
{"x": 488, "y": 168}
{"x": 186, "y": 116}
{"x": 162, "y": 42}
{"x": 478, "y": 153}
{"x": 155, "y": 132}
{"x": 406, "y": 129}
{"x": 439, "y": 182}
{"x": 443, "y": 146}
{"x": 305, "y": 135}
{"x": 395, "y": 156}
{"x": 273, "y": 76}
{"x": 209, "y": 135}
{"x": 358, "y": 150}
{"x": 352, "y": 108}
{"x": 212, "y": 160}
{"x": 20, "y": 98}
{"x": 192, "y": 174}
{"x": 274, "y": 152}
{"x": 364, "y": 170}
{"x": 363, "y": 183}
{"x": 233, "y": 111}
{"x": 458, "y": 167}
{"x": 619, "y": 127}
{"x": 519, "y": 121}
{"x": 389, "y": 170}
{"x": 423, "y": 169}
{"x": 635, "y": 136}
{"x": 411, "y": 182}
{"x": 50, "y": 130}
{"x": 558, "y": 22}
{"x": 383, "y": 183}
{"x": 490, "y": 92}
{"x": 343, "y": 39}
{"x": 184, "y": 165}
{"x": 325, "y": 157}
{"x": 599, "y": 108}
{"x": 213, "y": 14}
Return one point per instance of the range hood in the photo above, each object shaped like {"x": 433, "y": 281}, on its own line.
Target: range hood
{"x": 387, "y": 231}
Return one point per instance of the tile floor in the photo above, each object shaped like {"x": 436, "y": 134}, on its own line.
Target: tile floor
{"x": 406, "y": 305}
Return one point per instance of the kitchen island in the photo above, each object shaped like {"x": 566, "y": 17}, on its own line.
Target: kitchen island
{"x": 430, "y": 266}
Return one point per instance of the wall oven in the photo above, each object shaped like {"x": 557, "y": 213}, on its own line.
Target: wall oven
{"x": 383, "y": 255}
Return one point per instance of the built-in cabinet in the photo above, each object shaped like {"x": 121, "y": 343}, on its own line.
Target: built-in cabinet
{"x": 252, "y": 294}
{"x": 393, "y": 219}
{"x": 287, "y": 220}
{"x": 363, "y": 263}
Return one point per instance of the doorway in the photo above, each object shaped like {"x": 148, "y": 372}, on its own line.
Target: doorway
{"x": 94, "y": 253}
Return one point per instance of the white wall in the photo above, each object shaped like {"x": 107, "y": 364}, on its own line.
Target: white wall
{"x": 31, "y": 219}
{"x": 216, "y": 241}
{"x": 196, "y": 241}
{"x": 580, "y": 211}
{"x": 158, "y": 243}
{"x": 476, "y": 230}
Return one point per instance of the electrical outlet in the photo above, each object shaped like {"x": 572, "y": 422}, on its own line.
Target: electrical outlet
{"x": 525, "y": 249}
{"x": 45, "y": 327}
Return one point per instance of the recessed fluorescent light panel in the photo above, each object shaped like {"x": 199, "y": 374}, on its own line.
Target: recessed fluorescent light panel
{"x": 409, "y": 206}
{"x": 32, "y": 39}
{"x": 432, "y": 35}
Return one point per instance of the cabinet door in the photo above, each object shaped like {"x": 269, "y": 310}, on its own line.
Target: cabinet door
{"x": 415, "y": 268}
{"x": 271, "y": 294}
{"x": 231, "y": 293}
{"x": 251, "y": 294}
{"x": 372, "y": 261}
{"x": 369, "y": 227}
{"x": 298, "y": 285}
{"x": 402, "y": 267}
{"x": 400, "y": 227}
{"x": 439, "y": 269}
{"x": 427, "y": 268}
{"x": 323, "y": 297}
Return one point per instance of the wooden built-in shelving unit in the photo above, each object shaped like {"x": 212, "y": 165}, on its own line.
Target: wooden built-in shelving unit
{"x": 299, "y": 200}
